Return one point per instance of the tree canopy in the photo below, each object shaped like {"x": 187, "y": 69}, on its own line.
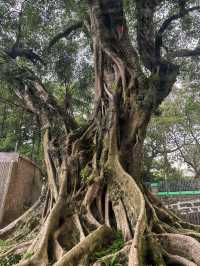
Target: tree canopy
{"x": 85, "y": 78}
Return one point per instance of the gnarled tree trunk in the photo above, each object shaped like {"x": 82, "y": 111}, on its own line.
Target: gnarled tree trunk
{"x": 94, "y": 173}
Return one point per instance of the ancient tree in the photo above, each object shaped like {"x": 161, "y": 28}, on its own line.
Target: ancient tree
{"x": 77, "y": 216}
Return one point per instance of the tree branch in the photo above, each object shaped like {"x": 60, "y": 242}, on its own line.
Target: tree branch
{"x": 65, "y": 33}
{"x": 18, "y": 50}
{"x": 183, "y": 155}
{"x": 184, "y": 53}
{"x": 166, "y": 23}
{"x": 145, "y": 31}
{"x": 10, "y": 103}
{"x": 32, "y": 92}
{"x": 26, "y": 53}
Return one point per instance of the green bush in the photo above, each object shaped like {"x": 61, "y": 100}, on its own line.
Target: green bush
{"x": 10, "y": 261}
{"x": 116, "y": 246}
{"x": 112, "y": 249}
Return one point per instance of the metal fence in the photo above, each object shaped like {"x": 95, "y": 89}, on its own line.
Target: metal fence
{"x": 179, "y": 185}
{"x": 178, "y": 189}
{"x": 193, "y": 218}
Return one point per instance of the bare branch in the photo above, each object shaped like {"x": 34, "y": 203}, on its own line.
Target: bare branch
{"x": 11, "y": 103}
{"x": 184, "y": 53}
{"x": 65, "y": 33}
{"x": 168, "y": 21}
{"x": 171, "y": 151}
{"x": 182, "y": 154}
{"x": 26, "y": 53}
{"x": 165, "y": 25}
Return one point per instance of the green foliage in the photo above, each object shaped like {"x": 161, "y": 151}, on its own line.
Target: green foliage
{"x": 19, "y": 130}
{"x": 167, "y": 172}
{"x": 107, "y": 172}
{"x": 172, "y": 138}
{"x": 112, "y": 262}
{"x": 116, "y": 246}
{"x": 28, "y": 255}
{"x": 10, "y": 261}
{"x": 3, "y": 244}
{"x": 68, "y": 71}
{"x": 114, "y": 87}
{"x": 86, "y": 175}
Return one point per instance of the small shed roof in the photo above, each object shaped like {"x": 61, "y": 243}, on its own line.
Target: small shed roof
{"x": 9, "y": 157}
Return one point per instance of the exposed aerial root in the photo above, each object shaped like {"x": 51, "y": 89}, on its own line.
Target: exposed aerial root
{"x": 57, "y": 248}
{"x": 91, "y": 219}
{"x": 178, "y": 260}
{"x": 121, "y": 219}
{"x": 40, "y": 245}
{"x": 155, "y": 252}
{"x": 49, "y": 165}
{"x": 107, "y": 216}
{"x": 86, "y": 247}
{"x": 61, "y": 242}
{"x": 67, "y": 237}
{"x": 191, "y": 233}
{"x": 181, "y": 245}
{"x": 90, "y": 196}
{"x": 79, "y": 226}
{"x": 169, "y": 216}
{"x": 7, "y": 231}
{"x": 190, "y": 226}
{"x": 134, "y": 203}
{"x": 132, "y": 197}
{"x": 17, "y": 249}
{"x": 47, "y": 204}
{"x": 99, "y": 205}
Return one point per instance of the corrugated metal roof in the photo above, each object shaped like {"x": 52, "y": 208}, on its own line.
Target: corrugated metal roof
{"x": 6, "y": 165}
{"x": 9, "y": 157}
{"x": 6, "y": 168}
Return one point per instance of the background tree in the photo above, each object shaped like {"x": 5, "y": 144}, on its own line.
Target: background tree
{"x": 187, "y": 137}
{"x": 101, "y": 159}
{"x": 19, "y": 130}
{"x": 173, "y": 136}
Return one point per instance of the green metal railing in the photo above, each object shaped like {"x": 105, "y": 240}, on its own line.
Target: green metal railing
{"x": 178, "y": 193}
{"x": 172, "y": 193}
{"x": 154, "y": 185}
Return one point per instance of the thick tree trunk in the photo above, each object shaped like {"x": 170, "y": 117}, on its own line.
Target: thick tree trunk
{"x": 102, "y": 162}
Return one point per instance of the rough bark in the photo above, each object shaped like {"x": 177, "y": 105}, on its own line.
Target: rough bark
{"x": 73, "y": 225}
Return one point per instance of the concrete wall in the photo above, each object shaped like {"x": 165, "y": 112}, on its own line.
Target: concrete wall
{"x": 9, "y": 170}
{"x": 23, "y": 190}
{"x": 29, "y": 177}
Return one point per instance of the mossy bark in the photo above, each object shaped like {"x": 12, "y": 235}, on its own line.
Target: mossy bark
{"x": 124, "y": 102}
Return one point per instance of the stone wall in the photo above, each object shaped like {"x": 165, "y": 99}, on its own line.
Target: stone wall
{"x": 181, "y": 196}
{"x": 187, "y": 207}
